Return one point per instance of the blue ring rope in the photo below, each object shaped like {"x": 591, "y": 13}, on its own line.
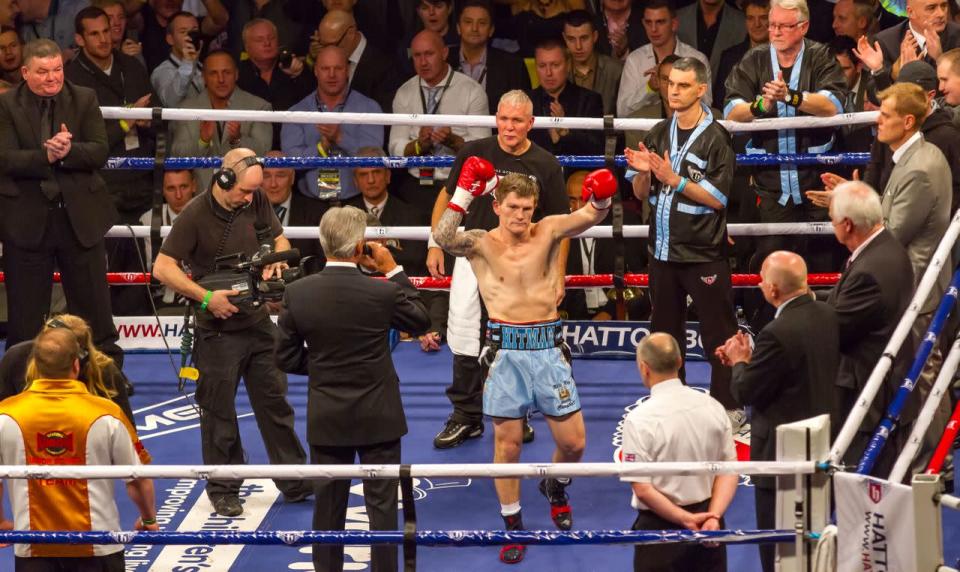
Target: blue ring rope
{"x": 889, "y": 421}
{"x": 423, "y": 538}
{"x": 586, "y": 161}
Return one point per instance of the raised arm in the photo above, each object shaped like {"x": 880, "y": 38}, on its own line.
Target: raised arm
{"x": 598, "y": 190}
{"x": 477, "y": 178}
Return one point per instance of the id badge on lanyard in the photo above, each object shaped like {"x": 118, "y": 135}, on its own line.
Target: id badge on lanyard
{"x": 426, "y": 174}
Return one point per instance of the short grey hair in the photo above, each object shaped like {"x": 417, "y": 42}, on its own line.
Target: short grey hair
{"x": 803, "y": 11}
{"x": 341, "y": 229}
{"x": 40, "y": 48}
{"x": 660, "y": 351}
{"x": 516, "y": 98}
{"x": 694, "y": 65}
{"x": 857, "y": 201}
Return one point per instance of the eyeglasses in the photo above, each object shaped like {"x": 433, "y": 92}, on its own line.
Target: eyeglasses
{"x": 783, "y": 27}
{"x": 339, "y": 40}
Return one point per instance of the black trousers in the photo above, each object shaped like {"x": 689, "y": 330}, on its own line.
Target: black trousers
{"x": 676, "y": 557}
{"x": 708, "y": 284}
{"x": 83, "y": 270}
{"x": 465, "y": 391}
{"x": 223, "y": 358}
{"x": 330, "y": 506}
{"x": 766, "y": 505}
{"x": 109, "y": 563}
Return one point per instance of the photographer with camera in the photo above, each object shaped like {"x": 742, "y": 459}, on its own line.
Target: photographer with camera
{"x": 354, "y": 405}
{"x": 233, "y": 337}
{"x": 180, "y": 75}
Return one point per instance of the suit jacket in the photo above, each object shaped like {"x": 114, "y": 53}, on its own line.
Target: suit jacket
{"x": 732, "y": 31}
{"x": 728, "y": 60}
{"x": 576, "y": 102}
{"x": 791, "y": 375}
{"x": 23, "y": 165}
{"x": 306, "y": 211}
{"x": 870, "y": 298}
{"x": 916, "y": 210}
{"x": 891, "y": 37}
{"x": 377, "y": 77}
{"x": 412, "y": 254}
{"x": 344, "y": 318}
{"x": 636, "y": 34}
{"x": 505, "y": 72}
{"x": 254, "y": 135}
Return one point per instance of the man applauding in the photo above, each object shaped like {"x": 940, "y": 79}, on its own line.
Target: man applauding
{"x": 516, "y": 268}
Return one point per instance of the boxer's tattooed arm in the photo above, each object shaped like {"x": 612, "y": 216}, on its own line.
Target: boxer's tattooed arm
{"x": 456, "y": 243}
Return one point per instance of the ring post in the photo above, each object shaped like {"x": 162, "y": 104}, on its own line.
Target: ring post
{"x": 928, "y": 522}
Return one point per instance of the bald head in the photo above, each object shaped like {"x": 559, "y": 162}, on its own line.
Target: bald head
{"x": 55, "y": 354}
{"x": 339, "y": 29}
{"x": 426, "y": 39}
{"x": 784, "y": 276}
{"x": 658, "y": 358}
{"x": 429, "y": 55}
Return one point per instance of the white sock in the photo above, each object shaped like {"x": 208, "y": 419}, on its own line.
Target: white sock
{"x": 510, "y": 509}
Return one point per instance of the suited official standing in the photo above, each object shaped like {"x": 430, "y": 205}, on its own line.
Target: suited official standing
{"x": 873, "y": 292}
{"x": 788, "y": 376}
{"x": 353, "y": 403}
{"x": 54, "y": 204}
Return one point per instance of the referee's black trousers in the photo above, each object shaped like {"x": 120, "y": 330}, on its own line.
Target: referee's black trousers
{"x": 676, "y": 557}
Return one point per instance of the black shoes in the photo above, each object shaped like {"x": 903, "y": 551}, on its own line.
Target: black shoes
{"x": 298, "y": 495}
{"x": 556, "y": 493}
{"x": 455, "y": 433}
{"x": 227, "y": 506}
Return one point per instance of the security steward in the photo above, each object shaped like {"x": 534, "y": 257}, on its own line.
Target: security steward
{"x": 232, "y": 340}
{"x": 684, "y": 167}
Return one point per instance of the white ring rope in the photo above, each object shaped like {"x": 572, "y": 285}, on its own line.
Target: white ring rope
{"x": 950, "y": 501}
{"x": 461, "y": 470}
{"x": 423, "y": 232}
{"x": 381, "y": 119}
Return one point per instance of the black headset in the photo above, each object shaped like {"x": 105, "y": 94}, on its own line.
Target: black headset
{"x": 226, "y": 177}
{"x": 82, "y": 354}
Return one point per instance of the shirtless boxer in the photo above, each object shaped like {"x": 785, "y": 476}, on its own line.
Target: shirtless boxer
{"x": 516, "y": 268}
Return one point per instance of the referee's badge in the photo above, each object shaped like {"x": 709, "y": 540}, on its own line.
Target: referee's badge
{"x": 695, "y": 174}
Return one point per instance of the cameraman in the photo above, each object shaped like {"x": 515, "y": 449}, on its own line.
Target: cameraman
{"x": 354, "y": 402}
{"x": 232, "y": 340}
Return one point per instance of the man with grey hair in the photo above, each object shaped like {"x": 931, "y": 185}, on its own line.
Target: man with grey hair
{"x": 871, "y": 296}
{"x": 677, "y": 423}
{"x": 334, "y": 327}
{"x": 789, "y": 77}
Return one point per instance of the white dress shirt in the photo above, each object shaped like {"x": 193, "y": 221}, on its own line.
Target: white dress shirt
{"x": 634, "y": 89}
{"x": 677, "y": 423}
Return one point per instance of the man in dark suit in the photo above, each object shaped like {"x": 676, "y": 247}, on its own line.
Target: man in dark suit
{"x": 353, "y": 404}
{"x": 496, "y": 70}
{"x": 870, "y": 298}
{"x": 927, "y": 33}
{"x": 294, "y": 209}
{"x": 559, "y": 97}
{"x": 54, "y": 204}
{"x": 790, "y": 374}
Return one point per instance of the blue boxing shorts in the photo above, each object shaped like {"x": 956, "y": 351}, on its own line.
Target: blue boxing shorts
{"x": 528, "y": 369}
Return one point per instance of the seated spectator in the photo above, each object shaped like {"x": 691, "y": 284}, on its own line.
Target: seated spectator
{"x": 98, "y": 371}
{"x": 948, "y": 76}
{"x": 856, "y": 138}
{"x": 304, "y": 140}
{"x": 435, "y": 89}
{"x": 755, "y": 16}
{"x": 379, "y": 20}
{"x": 658, "y": 109}
{"x": 371, "y": 71}
{"x": 51, "y": 21}
{"x": 620, "y": 24}
{"x": 558, "y": 97}
{"x": 267, "y": 73}
{"x": 293, "y": 209}
{"x": 180, "y": 75}
{"x": 436, "y": 16}
{"x": 539, "y": 20}
{"x": 591, "y": 256}
{"x": 157, "y": 15}
{"x": 711, "y": 26}
{"x": 215, "y": 138}
{"x": 11, "y": 57}
{"x": 591, "y": 69}
{"x": 9, "y": 11}
{"x": 411, "y": 254}
{"x": 497, "y": 71}
{"x": 640, "y": 84}
{"x": 854, "y": 18}
{"x": 122, "y": 38}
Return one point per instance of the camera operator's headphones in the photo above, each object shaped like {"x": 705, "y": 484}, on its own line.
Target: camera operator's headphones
{"x": 226, "y": 177}
{"x": 82, "y": 354}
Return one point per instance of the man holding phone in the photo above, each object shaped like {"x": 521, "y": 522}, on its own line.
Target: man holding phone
{"x": 180, "y": 76}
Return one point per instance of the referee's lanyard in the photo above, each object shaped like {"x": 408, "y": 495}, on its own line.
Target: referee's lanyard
{"x": 665, "y": 199}
{"x": 787, "y": 138}
{"x": 426, "y": 173}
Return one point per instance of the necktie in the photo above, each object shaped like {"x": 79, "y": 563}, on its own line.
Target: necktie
{"x": 281, "y": 212}
{"x": 433, "y": 99}
{"x": 49, "y": 187}
{"x": 375, "y": 211}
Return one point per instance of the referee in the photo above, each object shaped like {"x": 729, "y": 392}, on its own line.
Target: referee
{"x": 684, "y": 167}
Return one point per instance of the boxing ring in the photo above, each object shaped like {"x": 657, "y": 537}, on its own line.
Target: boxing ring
{"x": 162, "y": 414}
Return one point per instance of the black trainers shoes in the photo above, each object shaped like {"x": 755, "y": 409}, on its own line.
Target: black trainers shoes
{"x": 556, "y": 493}
{"x": 227, "y": 506}
{"x": 512, "y": 553}
{"x": 455, "y": 433}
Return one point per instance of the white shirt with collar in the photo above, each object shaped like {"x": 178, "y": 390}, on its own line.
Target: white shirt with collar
{"x": 856, "y": 252}
{"x": 921, "y": 39}
{"x": 463, "y": 97}
{"x": 784, "y": 305}
{"x": 356, "y": 54}
{"x": 369, "y": 206}
{"x": 906, "y": 145}
{"x": 634, "y": 85}
{"x": 337, "y": 263}
{"x": 677, "y": 423}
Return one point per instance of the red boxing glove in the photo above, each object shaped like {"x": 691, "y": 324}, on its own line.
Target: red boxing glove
{"x": 599, "y": 188}
{"x": 477, "y": 178}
